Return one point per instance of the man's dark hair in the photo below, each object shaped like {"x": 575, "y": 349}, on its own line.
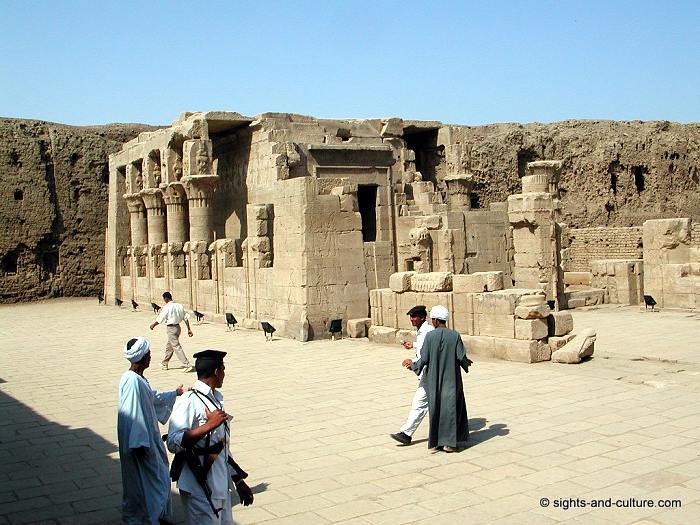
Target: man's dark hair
{"x": 206, "y": 368}
{"x": 130, "y": 343}
{"x": 168, "y": 296}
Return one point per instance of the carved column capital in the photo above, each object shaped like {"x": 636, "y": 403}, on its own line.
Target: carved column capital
{"x": 135, "y": 204}
{"x": 153, "y": 200}
{"x": 542, "y": 176}
{"x": 459, "y": 188}
{"x": 200, "y": 189}
{"x": 173, "y": 193}
{"x": 137, "y": 219}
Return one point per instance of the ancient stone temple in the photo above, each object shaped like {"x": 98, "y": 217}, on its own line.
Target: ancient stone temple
{"x": 300, "y": 221}
{"x": 290, "y": 219}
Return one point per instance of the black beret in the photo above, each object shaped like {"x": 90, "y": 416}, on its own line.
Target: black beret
{"x": 419, "y": 311}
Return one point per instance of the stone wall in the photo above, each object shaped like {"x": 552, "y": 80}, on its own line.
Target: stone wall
{"x": 589, "y": 244}
{"x": 511, "y": 324}
{"x": 53, "y": 204}
{"x": 695, "y": 233}
{"x": 671, "y": 263}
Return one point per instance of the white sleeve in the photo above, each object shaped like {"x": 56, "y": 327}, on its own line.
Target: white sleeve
{"x": 161, "y": 314}
{"x": 183, "y": 418}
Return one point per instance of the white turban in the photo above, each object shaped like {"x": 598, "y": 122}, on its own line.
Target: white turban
{"x": 439, "y": 312}
{"x": 139, "y": 349}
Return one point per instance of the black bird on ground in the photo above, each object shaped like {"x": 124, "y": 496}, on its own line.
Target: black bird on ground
{"x": 134, "y": 304}
{"x": 230, "y": 321}
{"x": 649, "y": 301}
{"x": 118, "y": 302}
{"x": 155, "y": 307}
{"x": 100, "y": 299}
{"x": 198, "y": 315}
{"x": 268, "y": 329}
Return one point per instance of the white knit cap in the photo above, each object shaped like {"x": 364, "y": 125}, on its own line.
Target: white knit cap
{"x": 139, "y": 349}
{"x": 439, "y": 312}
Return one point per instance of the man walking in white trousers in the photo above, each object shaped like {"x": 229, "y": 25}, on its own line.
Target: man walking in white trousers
{"x": 172, "y": 314}
{"x": 419, "y": 406}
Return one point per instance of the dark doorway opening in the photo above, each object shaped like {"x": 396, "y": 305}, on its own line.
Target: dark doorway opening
{"x": 49, "y": 262}
{"x": 367, "y": 202}
{"x": 9, "y": 264}
{"x": 638, "y": 172}
{"x": 525, "y": 155}
{"x": 428, "y": 154}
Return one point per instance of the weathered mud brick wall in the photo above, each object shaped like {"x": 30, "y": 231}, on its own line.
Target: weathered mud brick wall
{"x": 53, "y": 196}
{"x": 589, "y": 244}
{"x": 613, "y": 173}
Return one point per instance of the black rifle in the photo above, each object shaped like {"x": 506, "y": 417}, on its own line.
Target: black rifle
{"x": 199, "y": 471}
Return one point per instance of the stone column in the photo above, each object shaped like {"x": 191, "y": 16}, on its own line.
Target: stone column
{"x": 536, "y": 235}
{"x": 459, "y": 188}
{"x": 137, "y": 216}
{"x": 176, "y": 203}
{"x": 155, "y": 213}
{"x": 200, "y": 192}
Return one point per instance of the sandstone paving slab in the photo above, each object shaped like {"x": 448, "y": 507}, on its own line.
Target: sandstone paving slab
{"x": 311, "y": 424}
{"x": 643, "y": 331}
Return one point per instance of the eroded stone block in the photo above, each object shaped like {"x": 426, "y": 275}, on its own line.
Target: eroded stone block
{"x": 431, "y": 282}
{"x": 581, "y": 346}
{"x": 496, "y": 325}
{"x": 495, "y": 303}
{"x": 530, "y": 329}
{"x": 382, "y": 334}
{"x": 479, "y": 345}
{"x": 560, "y": 323}
{"x": 358, "y": 327}
{"x": 555, "y": 342}
{"x": 478, "y": 282}
{"x": 401, "y": 281}
{"x": 533, "y": 312}
{"x": 521, "y": 351}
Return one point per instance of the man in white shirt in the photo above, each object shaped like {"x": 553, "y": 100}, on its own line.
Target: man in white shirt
{"x": 419, "y": 406}
{"x": 172, "y": 314}
{"x": 199, "y": 435}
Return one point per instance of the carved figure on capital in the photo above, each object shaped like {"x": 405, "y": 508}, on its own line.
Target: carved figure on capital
{"x": 177, "y": 167}
{"x": 203, "y": 161}
{"x": 197, "y": 155}
{"x": 157, "y": 174}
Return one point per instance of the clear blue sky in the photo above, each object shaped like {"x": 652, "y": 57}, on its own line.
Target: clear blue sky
{"x": 94, "y": 62}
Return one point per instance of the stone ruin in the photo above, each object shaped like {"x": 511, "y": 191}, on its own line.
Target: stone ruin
{"x": 300, "y": 221}
{"x": 616, "y": 175}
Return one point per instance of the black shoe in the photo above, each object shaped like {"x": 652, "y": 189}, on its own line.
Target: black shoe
{"x": 402, "y": 438}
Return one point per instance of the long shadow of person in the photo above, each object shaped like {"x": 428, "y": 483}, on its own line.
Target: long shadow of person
{"x": 478, "y": 432}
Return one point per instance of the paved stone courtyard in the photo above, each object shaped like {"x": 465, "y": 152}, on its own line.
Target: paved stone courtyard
{"x": 312, "y": 422}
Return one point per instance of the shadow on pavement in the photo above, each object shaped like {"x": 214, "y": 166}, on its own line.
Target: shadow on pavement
{"x": 51, "y": 473}
{"x": 478, "y": 432}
